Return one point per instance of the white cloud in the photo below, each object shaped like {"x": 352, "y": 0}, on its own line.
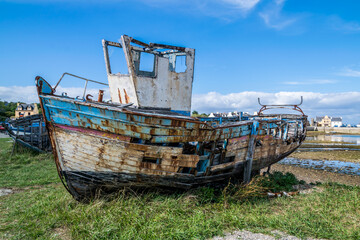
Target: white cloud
{"x": 311, "y": 82}
{"x": 339, "y": 24}
{"x": 245, "y": 5}
{"x": 228, "y": 10}
{"x": 345, "y": 104}
{"x": 17, "y": 93}
{"x": 273, "y": 18}
{"x": 348, "y": 72}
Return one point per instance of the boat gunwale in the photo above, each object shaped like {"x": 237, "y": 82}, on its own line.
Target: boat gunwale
{"x": 126, "y": 110}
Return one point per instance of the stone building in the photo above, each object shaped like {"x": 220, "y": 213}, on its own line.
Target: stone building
{"x": 328, "y": 121}
{"x": 24, "y": 110}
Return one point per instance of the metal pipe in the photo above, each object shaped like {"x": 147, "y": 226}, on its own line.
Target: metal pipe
{"x": 79, "y": 78}
{"x": 85, "y": 89}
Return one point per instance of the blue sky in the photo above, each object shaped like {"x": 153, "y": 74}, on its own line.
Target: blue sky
{"x": 274, "y": 49}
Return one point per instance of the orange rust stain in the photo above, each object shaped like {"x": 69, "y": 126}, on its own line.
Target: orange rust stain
{"x": 119, "y": 94}
{"x": 106, "y": 123}
{"x": 127, "y": 99}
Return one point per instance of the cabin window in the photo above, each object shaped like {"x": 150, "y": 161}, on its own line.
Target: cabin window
{"x": 117, "y": 60}
{"x": 144, "y": 63}
{"x": 147, "y": 61}
{"x": 180, "y": 64}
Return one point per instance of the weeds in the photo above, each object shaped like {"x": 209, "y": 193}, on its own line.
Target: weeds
{"x": 278, "y": 182}
{"x": 50, "y": 212}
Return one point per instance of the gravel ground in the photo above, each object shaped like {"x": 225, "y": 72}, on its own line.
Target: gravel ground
{"x": 257, "y": 236}
{"x": 5, "y": 191}
{"x": 3, "y": 135}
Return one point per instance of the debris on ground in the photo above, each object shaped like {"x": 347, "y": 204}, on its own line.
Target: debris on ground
{"x": 238, "y": 235}
{"x": 5, "y": 191}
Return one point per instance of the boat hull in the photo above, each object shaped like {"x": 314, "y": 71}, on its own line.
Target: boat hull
{"x": 101, "y": 148}
{"x": 91, "y": 161}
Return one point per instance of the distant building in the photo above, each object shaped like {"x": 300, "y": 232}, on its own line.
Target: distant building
{"x": 229, "y": 114}
{"x": 24, "y": 110}
{"x": 328, "y": 121}
{"x": 215, "y": 115}
{"x": 312, "y": 122}
{"x": 336, "y": 122}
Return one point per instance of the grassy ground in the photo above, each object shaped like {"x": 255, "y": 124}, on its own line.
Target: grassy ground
{"x": 314, "y": 133}
{"x": 49, "y": 212}
{"x": 331, "y": 142}
{"x": 346, "y": 156}
{"x": 320, "y": 132}
{"x": 304, "y": 146}
{"x": 25, "y": 168}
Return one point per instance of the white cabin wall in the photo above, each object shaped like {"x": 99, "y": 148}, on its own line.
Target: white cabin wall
{"x": 121, "y": 82}
{"x": 181, "y": 87}
{"x": 154, "y": 91}
{"x": 168, "y": 90}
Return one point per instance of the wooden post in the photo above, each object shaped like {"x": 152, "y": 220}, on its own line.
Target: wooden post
{"x": 250, "y": 153}
{"x": 31, "y": 133}
{"x": 40, "y": 135}
{"x": 13, "y": 149}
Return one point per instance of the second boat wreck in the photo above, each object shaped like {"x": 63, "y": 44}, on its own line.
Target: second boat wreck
{"x": 145, "y": 137}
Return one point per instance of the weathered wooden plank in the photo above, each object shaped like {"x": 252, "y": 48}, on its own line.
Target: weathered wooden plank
{"x": 221, "y": 166}
{"x": 88, "y": 153}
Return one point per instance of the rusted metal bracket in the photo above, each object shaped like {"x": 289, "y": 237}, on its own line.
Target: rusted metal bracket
{"x": 288, "y": 106}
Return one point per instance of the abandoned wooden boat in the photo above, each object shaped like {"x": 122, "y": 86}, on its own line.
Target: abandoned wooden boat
{"x": 145, "y": 137}
{"x": 30, "y": 132}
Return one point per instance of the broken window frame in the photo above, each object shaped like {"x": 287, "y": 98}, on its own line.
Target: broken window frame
{"x": 158, "y": 50}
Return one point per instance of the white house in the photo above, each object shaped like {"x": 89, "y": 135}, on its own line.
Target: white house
{"x": 336, "y": 122}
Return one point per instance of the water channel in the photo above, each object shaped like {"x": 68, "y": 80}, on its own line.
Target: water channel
{"x": 349, "y": 168}
{"x": 327, "y": 165}
{"x": 354, "y": 139}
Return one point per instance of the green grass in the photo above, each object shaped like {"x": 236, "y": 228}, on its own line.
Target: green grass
{"x": 305, "y": 146}
{"x": 331, "y": 142}
{"x": 321, "y": 132}
{"x": 25, "y": 168}
{"x": 49, "y": 212}
{"x": 37, "y": 214}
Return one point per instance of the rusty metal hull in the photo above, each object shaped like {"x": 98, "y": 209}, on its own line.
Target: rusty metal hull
{"x": 104, "y": 147}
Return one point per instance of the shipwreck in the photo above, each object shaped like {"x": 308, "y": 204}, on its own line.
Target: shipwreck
{"x": 145, "y": 136}
{"x": 29, "y": 132}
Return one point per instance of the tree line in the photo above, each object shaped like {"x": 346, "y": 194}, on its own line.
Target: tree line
{"x": 7, "y": 109}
